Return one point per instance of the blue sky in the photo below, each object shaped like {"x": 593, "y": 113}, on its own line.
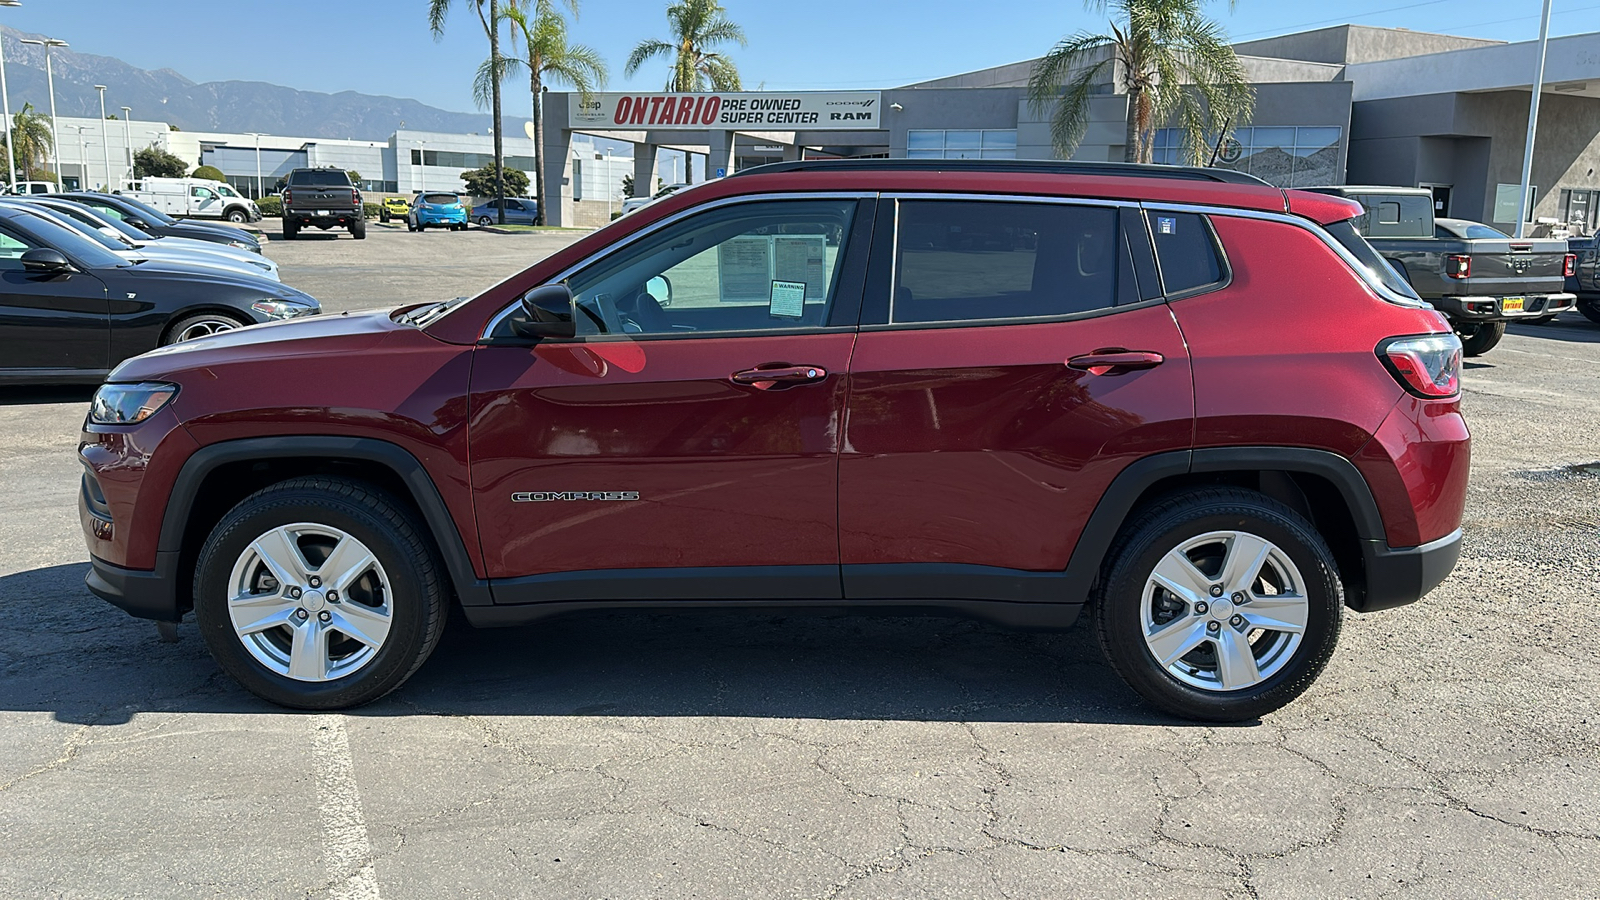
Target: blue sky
{"x": 383, "y": 46}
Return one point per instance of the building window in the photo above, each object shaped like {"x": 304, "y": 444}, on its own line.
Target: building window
{"x": 1285, "y": 156}
{"x": 934, "y": 143}
{"x": 1581, "y": 210}
{"x": 451, "y": 159}
{"x": 1505, "y": 202}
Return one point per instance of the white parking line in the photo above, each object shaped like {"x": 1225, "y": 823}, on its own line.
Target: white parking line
{"x": 346, "y": 850}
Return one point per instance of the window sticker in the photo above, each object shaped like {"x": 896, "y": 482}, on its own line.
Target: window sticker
{"x": 788, "y": 299}
{"x": 1165, "y": 225}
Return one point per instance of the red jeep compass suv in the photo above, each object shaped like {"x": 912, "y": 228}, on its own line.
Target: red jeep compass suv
{"x": 1197, "y": 405}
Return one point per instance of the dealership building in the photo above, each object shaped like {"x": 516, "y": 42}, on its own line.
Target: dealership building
{"x": 1349, "y": 104}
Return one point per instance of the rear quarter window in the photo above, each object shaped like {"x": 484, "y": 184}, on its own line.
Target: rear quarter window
{"x": 1186, "y": 252}
{"x": 1395, "y": 216}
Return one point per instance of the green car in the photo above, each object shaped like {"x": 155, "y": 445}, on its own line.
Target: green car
{"x": 393, "y": 208}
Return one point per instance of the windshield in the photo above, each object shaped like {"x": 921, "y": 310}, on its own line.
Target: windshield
{"x": 85, "y": 220}
{"x": 100, "y": 218}
{"x": 440, "y": 198}
{"x": 319, "y": 178}
{"x": 155, "y": 215}
{"x": 116, "y": 245}
{"x": 226, "y": 191}
{"x": 81, "y": 249}
{"x": 1347, "y": 236}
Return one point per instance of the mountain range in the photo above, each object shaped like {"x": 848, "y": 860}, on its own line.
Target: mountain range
{"x": 163, "y": 95}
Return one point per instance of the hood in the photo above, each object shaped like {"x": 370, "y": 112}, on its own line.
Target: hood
{"x": 193, "y": 228}
{"x": 211, "y": 273}
{"x": 153, "y": 255}
{"x": 344, "y": 333}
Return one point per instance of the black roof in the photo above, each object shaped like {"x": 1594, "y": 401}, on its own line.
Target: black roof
{"x": 1031, "y": 166}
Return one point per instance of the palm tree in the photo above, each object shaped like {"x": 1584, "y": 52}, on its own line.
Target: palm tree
{"x": 697, "y": 26}
{"x": 550, "y": 59}
{"x": 1173, "y": 61}
{"x": 32, "y": 140}
{"x": 489, "y": 16}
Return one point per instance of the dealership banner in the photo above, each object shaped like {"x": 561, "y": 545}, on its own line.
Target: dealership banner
{"x": 765, "y": 111}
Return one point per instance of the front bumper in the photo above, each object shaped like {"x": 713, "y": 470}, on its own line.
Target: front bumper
{"x": 145, "y": 594}
{"x": 1397, "y": 577}
{"x": 1492, "y": 309}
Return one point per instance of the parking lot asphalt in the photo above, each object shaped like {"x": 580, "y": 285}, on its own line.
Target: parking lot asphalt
{"x": 1452, "y": 748}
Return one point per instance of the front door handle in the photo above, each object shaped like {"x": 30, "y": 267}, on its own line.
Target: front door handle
{"x": 779, "y": 375}
{"x": 1115, "y": 362}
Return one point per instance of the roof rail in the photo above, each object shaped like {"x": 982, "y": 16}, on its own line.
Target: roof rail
{"x": 1030, "y": 166}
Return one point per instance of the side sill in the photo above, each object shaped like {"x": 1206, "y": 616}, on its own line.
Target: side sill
{"x": 1022, "y": 616}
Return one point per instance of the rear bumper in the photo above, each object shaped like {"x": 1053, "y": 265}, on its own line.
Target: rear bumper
{"x": 1492, "y": 309}
{"x": 1397, "y": 577}
{"x": 143, "y": 593}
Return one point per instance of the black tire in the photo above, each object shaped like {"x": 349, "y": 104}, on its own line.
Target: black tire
{"x": 1590, "y": 310}
{"x": 237, "y": 216}
{"x": 1479, "y": 338}
{"x": 201, "y": 325}
{"x": 485, "y": 221}
{"x": 417, "y": 591}
{"x": 383, "y": 216}
{"x": 1165, "y": 526}
{"x": 358, "y": 229}
{"x": 290, "y": 230}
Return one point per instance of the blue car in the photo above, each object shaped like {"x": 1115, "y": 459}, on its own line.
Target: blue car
{"x": 518, "y": 212}
{"x": 432, "y": 209}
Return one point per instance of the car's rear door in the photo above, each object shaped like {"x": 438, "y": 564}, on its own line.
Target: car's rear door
{"x": 1010, "y": 365}
{"x": 685, "y": 444}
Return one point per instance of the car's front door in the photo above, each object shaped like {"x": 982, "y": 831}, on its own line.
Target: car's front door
{"x": 203, "y": 201}
{"x": 51, "y": 324}
{"x": 685, "y": 443}
{"x": 1009, "y": 366}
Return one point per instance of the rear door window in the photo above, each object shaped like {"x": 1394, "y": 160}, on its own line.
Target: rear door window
{"x": 960, "y": 261}
{"x": 1186, "y": 252}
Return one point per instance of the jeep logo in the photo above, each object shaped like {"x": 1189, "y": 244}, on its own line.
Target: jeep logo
{"x": 547, "y": 496}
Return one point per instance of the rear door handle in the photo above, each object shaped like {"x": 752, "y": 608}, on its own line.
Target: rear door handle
{"x": 779, "y": 375}
{"x": 1113, "y": 362}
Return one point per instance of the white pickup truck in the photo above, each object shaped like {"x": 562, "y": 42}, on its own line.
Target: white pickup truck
{"x": 194, "y": 198}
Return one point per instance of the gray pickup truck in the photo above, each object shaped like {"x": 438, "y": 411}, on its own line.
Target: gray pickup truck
{"x": 1480, "y": 278}
{"x": 322, "y": 198}
{"x": 1584, "y": 279}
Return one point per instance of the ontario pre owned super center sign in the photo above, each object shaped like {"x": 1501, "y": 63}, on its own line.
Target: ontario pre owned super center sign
{"x": 766, "y": 111}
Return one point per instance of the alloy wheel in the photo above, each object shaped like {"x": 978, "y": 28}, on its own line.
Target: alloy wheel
{"x": 310, "y": 602}
{"x": 1224, "y": 611}
{"x": 204, "y": 326}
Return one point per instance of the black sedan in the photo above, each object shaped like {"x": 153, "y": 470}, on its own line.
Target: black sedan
{"x": 70, "y": 309}
{"x": 149, "y": 219}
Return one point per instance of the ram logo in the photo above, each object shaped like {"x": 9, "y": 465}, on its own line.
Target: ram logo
{"x": 547, "y": 496}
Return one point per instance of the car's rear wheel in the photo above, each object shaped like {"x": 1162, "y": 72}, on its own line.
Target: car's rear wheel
{"x": 290, "y": 230}
{"x": 1590, "y": 310}
{"x": 319, "y": 593}
{"x": 199, "y": 326}
{"x": 1220, "y": 604}
{"x": 358, "y": 229}
{"x": 1478, "y": 338}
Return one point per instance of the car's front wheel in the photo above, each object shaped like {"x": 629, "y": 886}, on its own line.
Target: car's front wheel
{"x": 319, "y": 593}
{"x": 485, "y": 221}
{"x": 1219, "y": 604}
{"x": 199, "y": 326}
{"x": 237, "y": 216}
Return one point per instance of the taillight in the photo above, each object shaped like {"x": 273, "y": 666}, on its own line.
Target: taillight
{"x": 355, "y": 197}
{"x": 288, "y": 196}
{"x": 1428, "y": 365}
{"x": 1569, "y": 265}
{"x": 1458, "y": 266}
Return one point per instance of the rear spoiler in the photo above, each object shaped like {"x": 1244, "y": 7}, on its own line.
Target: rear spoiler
{"x": 1323, "y": 209}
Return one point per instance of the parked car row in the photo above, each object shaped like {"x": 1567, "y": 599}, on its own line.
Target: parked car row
{"x": 88, "y": 280}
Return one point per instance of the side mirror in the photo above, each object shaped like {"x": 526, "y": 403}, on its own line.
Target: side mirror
{"x": 45, "y": 259}
{"x": 546, "y": 313}
{"x": 660, "y": 287}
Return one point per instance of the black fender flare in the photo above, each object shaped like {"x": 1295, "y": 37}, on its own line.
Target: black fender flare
{"x": 471, "y": 590}
{"x": 1119, "y": 500}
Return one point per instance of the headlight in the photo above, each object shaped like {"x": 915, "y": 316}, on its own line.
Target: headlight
{"x": 127, "y": 404}
{"x": 283, "y": 309}
{"x": 242, "y": 245}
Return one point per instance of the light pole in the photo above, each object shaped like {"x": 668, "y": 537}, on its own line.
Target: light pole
{"x": 1533, "y": 125}
{"x": 257, "y": 136}
{"x": 611, "y": 187}
{"x": 105, "y": 140}
{"x": 422, "y": 166}
{"x": 50, "y": 82}
{"x": 5, "y": 101}
{"x": 127, "y": 138}
{"x": 83, "y": 160}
